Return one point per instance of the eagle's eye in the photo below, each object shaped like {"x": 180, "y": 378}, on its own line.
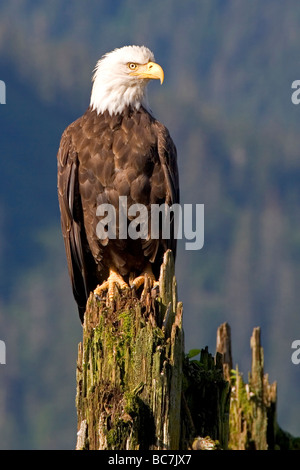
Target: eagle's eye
{"x": 132, "y": 66}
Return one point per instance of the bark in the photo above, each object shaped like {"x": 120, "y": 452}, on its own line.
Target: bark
{"x": 129, "y": 370}
{"x": 135, "y": 387}
{"x": 253, "y": 419}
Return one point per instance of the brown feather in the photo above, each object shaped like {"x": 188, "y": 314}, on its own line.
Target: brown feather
{"x": 100, "y": 158}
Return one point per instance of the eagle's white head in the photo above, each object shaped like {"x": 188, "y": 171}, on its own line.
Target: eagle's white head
{"x": 120, "y": 79}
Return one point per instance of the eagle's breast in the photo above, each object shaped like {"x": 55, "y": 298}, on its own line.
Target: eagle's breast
{"x": 117, "y": 156}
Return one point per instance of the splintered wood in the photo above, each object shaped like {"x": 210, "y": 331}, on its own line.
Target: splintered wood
{"x": 129, "y": 370}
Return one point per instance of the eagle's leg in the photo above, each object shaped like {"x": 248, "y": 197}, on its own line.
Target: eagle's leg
{"x": 138, "y": 281}
{"x": 114, "y": 279}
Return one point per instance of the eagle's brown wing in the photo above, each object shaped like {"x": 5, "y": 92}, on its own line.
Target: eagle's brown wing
{"x": 164, "y": 190}
{"x": 168, "y": 158}
{"x": 81, "y": 266}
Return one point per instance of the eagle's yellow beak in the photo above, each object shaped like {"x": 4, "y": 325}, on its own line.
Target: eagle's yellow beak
{"x": 150, "y": 70}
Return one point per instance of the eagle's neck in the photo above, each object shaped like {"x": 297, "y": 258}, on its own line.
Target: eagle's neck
{"x": 114, "y": 96}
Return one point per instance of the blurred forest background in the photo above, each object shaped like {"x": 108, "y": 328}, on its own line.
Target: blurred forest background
{"x": 226, "y": 99}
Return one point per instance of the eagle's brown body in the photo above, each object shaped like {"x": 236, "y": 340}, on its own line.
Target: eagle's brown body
{"x": 102, "y": 157}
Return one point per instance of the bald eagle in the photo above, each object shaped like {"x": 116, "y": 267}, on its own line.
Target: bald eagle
{"x": 117, "y": 148}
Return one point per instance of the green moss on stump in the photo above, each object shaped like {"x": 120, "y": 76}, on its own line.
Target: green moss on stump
{"x": 127, "y": 372}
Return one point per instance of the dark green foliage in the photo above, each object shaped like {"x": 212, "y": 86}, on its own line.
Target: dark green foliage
{"x": 207, "y": 396}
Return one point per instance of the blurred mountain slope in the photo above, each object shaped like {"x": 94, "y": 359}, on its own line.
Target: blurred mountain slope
{"x": 227, "y": 103}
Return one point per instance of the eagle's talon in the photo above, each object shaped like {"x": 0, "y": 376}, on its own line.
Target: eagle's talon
{"x": 147, "y": 279}
{"x": 100, "y": 299}
{"x": 109, "y": 285}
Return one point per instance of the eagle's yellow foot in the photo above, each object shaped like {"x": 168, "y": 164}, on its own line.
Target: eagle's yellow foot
{"x": 138, "y": 281}
{"x": 114, "y": 279}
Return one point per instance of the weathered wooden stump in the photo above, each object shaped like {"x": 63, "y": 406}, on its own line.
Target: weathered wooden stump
{"x": 129, "y": 371}
{"x": 253, "y": 405}
{"x": 253, "y": 418}
{"x": 135, "y": 387}
{"x": 137, "y": 390}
